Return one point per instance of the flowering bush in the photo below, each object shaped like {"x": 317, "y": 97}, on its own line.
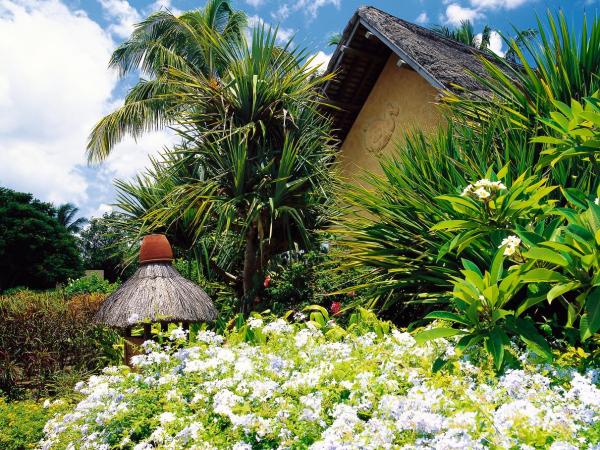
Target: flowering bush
{"x": 317, "y": 386}
{"x": 46, "y": 339}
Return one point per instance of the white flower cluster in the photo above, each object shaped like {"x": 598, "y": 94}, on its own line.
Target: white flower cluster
{"x": 178, "y": 334}
{"x": 301, "y": 389}
{"x": 483, "y": 189}
{"x": 512, "y": 245}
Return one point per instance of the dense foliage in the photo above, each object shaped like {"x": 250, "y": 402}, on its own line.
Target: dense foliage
{"x": 316, "y": 385}
{"x": 252, "y": 176}
{"x": 47, "y": 340}
{"x": 92, "y": 284}
{"x": 295, "y": 280}
{"x": 104, "y": 246}
{"x": 36, "y": 251}
{"x": 501, "y": 228}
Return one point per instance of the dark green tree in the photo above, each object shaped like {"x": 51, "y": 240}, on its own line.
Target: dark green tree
{"x": 36, "y": 251}
{"x": 104, "y": 246}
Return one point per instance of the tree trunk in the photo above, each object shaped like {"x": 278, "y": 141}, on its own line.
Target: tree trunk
{"x": 250, "y": 266}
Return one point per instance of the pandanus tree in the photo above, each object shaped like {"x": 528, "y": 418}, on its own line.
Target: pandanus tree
{"x": 251, "y": 128}
{"x": 264, "y": 150}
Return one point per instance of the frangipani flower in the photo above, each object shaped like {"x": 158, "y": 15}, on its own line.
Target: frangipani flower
{"x": 483, "y": 189}
{"x": 511, "y": 244}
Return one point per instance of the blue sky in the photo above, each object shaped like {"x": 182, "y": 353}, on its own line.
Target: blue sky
{"x": 54, "y": 82}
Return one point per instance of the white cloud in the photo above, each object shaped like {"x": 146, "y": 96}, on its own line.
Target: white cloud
{"x": 166, "y": 5}
{"x": 101, "y": 210}
{"x": 282, "y": 13}
{"x": 497, "y": 4}
{"x": 131, "y": 157}
{"x": 312, "y": 6}
{"x": 309, "y": 7}
{"x": 283, "y": 34}
{"x": 496, "y": 43}
{"x": 455, "y": 14}
{"x": 422, "y": 18}
{"x": 320, "y": 60}
{"x": 56, "y": 87}
{"x": 255, "y": 3}
{"x": 123, "y": 15}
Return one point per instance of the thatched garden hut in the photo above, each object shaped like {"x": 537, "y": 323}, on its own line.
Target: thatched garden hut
{"x": 156, "y": 293}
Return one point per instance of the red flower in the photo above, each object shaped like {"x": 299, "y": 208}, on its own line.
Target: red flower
{"x": 335, "y": 308}
{"x": 267, "y": 281}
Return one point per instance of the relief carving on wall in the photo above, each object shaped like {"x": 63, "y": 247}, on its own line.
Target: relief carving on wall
{"x": 380, "y": 130}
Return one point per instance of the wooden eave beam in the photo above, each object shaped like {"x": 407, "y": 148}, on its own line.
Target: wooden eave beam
{"x": 343, "y": 105}
{"x": 346, "y": 50}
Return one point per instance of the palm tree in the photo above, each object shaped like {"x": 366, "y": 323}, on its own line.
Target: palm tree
{"x": 160, "y": 42}
{"x": 65, "y": 214}
{"x": 334, "y": 39}
{"x": 465, "y": 34}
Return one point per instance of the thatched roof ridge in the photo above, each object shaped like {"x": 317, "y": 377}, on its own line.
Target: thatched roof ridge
{"x": 157, "y": 292}
{"x": 445, "y": 60}
{"x": 370, "y": 37}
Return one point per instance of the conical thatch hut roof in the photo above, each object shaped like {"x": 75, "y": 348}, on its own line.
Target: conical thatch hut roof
{"x": 156, "y": 292}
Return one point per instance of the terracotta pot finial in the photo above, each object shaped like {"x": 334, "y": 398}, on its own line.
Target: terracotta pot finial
{"x": 155, "y": 248}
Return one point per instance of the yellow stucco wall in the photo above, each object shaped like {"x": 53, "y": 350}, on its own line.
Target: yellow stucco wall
{"x": 401, "y": 100}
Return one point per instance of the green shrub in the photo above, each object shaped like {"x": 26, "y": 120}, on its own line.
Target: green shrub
{"x": 554, "y": 252}
{"x": 297, "y": 279}
{"x": 389, "y": 231}
{"x": 22, "y": 422}
{"x": 386, "y": 232}
{"x": 559, "y": 64}
{"x": 45, "y": 336}
{"x": 90, "y": 285}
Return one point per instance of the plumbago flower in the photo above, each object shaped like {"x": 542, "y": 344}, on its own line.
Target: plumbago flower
{"x": 302, "y": 389}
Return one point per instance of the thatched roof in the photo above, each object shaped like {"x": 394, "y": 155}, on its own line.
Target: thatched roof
{"x": 370, "y": 38}
{"x": 157, "y": 292}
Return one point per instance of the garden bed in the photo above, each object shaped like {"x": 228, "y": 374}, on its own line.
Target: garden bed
{"x": 314, "y": 385}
